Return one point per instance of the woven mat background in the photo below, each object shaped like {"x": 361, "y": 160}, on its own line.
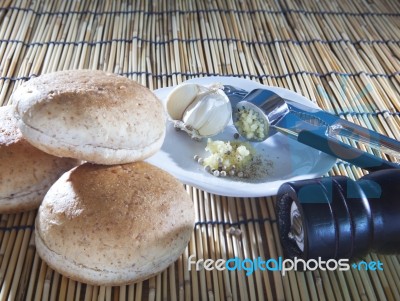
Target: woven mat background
{"x": 343, "y": 55}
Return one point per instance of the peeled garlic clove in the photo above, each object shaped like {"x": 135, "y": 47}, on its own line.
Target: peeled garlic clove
{"x": 198, "y": 110}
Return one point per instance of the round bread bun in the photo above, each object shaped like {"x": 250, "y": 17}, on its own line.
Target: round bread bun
{"x": 114, "y": 225}
{"x": 26, "y": 173}
{"x": 90, "y": 115}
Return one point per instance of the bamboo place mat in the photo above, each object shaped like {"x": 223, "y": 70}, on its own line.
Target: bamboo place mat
{"x": 343, "y": 55}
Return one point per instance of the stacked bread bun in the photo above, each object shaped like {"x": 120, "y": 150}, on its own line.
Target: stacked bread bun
{"x": 114, "y": 219}
{"x": 26, "y": 173}
{"x": 90, "y": 115}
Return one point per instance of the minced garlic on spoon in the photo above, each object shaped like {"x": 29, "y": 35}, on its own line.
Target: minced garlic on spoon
{"x": 250, "y": 125}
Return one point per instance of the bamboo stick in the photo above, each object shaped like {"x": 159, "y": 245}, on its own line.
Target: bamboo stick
{"x": 55, "y": 286}
{"x": 224, "y": 292}
{"x": 95, "y": 293}
{"x": 47, "y": 284}
{"x": 212, "y": 248}
{"x": 230, "y": 249}
{"x": 193, "y": 251}
{"x": 40, "y": 289}
{"x": 255, "y": 207}
{"x": 219, "y": 214}
{"x": 152, "y": 288}
{"x": 28, "y": 265}
{"x": 131, "y": 292}
{"x": 138, "y": 290}
{"x": 17, "y": 273}
{"x": 281, "y": 284}
{"x": 33, "y": 275}
{"x": 172, "y": 284}
{"x": 7, "y": 245}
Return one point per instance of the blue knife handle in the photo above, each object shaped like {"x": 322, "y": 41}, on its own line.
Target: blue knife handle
{"x": 351, "y": 130}
{"x": 318, "y": 140}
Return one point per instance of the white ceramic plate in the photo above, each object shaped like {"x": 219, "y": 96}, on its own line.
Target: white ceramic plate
{"x": 291, "y": 159}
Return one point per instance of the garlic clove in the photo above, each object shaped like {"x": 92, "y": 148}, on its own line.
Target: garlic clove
{"x": 180, "y": 98}
{"x": 218, "y": 112}
{"x": 196, "y": 114}
{"x": 215, "y": 124}
{"x": 198, "y": 110}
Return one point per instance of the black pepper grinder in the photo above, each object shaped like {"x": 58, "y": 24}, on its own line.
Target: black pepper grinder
{"x": 336, "y": 217}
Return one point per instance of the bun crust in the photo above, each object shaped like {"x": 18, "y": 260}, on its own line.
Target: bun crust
{"x": 114, "y": 225}
{"x": 90, "y": 115}
{"x": 26, "y": 173}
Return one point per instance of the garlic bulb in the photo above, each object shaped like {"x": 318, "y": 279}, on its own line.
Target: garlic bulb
{"x": 199, "y": 110}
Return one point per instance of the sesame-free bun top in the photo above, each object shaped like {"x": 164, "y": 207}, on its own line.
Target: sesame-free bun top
{"x": 113, "y": 225}
{"x": 90, "y": 115}
{"x": 26, "y": 173}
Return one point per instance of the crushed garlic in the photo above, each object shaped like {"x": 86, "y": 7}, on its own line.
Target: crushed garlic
{"x": 227, "y": 158}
